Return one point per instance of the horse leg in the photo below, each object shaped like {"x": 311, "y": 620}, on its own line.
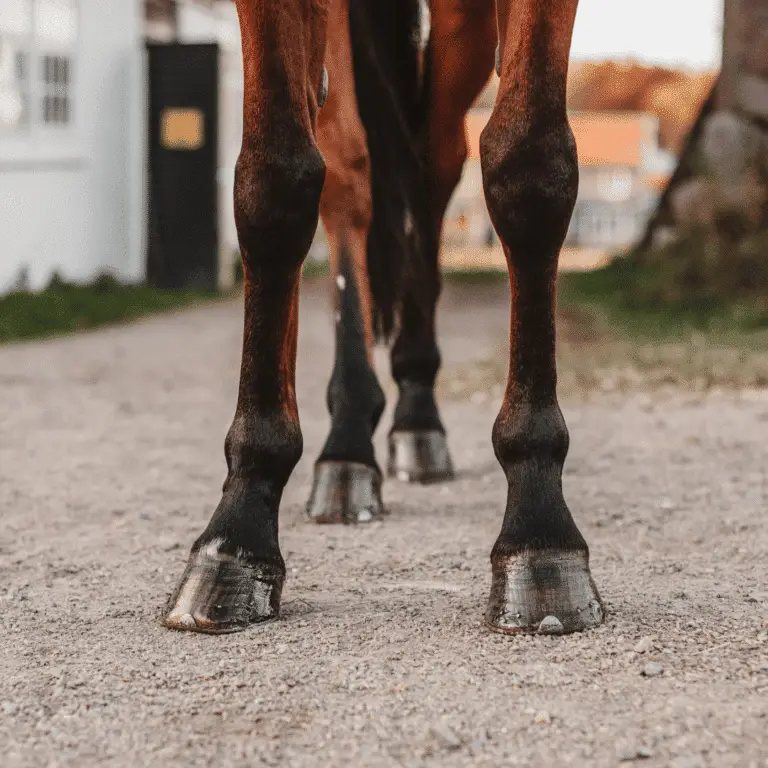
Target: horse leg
{"x": 461, "y": 56}
{"x": 540, "y": 561}
{"x": 235, "y": 572}
{"x": 347, "y": 485}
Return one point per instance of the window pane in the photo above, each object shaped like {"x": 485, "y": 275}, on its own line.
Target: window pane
{"x": 21, "y": 65}
{"x": 56, "y": 20}
{"x": 12, "y": 82}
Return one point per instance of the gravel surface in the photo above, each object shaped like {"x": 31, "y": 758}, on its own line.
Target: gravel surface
{"x": 111, "y": 460}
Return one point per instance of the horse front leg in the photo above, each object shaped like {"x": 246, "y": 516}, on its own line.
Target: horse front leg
{"x": 235, "y": 572}
{"x": 347, "y": 485}
{"x": 540, "y": 561}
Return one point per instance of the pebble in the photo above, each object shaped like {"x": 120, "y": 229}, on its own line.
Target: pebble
{"x": 542, "y": 718}
{"x": 630, "y": 754}
{"x": 445, "y": 737}
{"x": 652, "y": 669}
{"x": 644, "y": 644}
{"x": 550, "y": 625}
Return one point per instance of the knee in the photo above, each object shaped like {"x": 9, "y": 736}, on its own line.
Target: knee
{"x": 277, "y": 198}
{"x": 531, "y": 178}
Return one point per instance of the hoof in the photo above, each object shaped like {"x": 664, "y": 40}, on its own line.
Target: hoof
{"x": 219, "y": 593}
{"x": 345, "y": 492}
{"x": 419, "y": 456}
{"x": 550, "y": 592}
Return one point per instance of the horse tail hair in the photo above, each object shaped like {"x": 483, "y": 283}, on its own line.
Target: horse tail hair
{"x": 392, "y": 74}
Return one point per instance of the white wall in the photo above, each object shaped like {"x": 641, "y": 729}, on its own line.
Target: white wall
{"x": 76, "y": 205}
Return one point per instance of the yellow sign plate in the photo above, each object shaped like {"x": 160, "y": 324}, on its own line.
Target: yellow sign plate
{"x": 182, "y": 129}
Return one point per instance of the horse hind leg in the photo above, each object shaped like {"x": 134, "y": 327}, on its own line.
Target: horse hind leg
{"x": 540, "y": 561}
{"x": 347, "y": 483}
{"x": 460, "y": 53}
{"x": 235, "y": 572}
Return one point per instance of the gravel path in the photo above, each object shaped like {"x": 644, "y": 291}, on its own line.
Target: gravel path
{"x": 110, "y": 463}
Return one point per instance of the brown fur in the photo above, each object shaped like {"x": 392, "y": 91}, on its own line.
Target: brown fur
{"x": 346, "y": 205}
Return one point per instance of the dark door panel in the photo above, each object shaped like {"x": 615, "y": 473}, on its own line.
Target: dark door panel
{"x": 183, "y": 161}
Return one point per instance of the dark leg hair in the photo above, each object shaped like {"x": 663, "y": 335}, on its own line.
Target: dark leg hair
{"x": 460, "y": 57}
{"x": 347, "y": 485}
{"x": 235, "y": 572}
{"x": 541, "y": 577}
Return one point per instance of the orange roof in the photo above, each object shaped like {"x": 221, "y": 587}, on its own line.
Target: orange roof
{"x": 602, "y": 138}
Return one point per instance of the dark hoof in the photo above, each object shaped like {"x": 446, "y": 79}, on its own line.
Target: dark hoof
{"x": 220, "y": 593}
{"x": 345, "y": 492}
{"x": 419, "y": 456}
{"x": 550, "y": 592}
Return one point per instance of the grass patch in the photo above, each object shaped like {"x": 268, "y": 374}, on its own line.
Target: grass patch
{"x": 666, "y": 298}
{"x": 65, "y": 308}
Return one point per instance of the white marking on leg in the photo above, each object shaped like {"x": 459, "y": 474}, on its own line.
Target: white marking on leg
{"x": 408, "y": 222}
{"x": 211, "y": 549}
{"x": 341, "y": 282}
{"x": 424, "y": 28}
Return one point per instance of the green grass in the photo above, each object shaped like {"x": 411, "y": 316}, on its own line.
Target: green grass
{"x": 652, "y": 301}
{"x": 64, "y": 308}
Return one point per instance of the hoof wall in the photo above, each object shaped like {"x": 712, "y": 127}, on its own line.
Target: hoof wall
{"x": 549, "y": 592}
{"x": 419, "y": 456}
{"x": 345, "y": 492}
{"x": 220, "y": 594}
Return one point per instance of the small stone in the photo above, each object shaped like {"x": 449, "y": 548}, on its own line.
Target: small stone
{"x": 550, "y": 625}
{"x": 652, "y": 669}
{"x": 644, "y": 644}
{"x": 629, "y": 754}
{"x": 445, "y": 737}
{"x": 542, "y": 718}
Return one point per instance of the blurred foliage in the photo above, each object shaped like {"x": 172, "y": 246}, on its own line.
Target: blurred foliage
{"x": 699, "y": 282}
{"x": 64, "y": 307}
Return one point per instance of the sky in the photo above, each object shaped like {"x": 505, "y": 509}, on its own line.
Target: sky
{"x": 682, "y": 33}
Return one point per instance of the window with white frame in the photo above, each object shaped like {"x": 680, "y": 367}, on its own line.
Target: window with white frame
{"x": 38, "y": 43}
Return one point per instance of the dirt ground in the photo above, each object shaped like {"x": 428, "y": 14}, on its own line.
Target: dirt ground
{"x": 111, "y": 460}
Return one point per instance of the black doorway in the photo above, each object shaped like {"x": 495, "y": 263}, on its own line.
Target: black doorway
{"x": 183, "y": 237}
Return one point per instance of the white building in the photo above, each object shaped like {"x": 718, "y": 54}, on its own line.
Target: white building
{"x": 73, "y": 127}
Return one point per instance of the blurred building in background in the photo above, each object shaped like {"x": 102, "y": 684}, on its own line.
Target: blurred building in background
{"x": 621, "y": 167}
{"x": 73, "y": 131}
{"x": 630, "y": 122}
{"x": 70, "y": 139}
